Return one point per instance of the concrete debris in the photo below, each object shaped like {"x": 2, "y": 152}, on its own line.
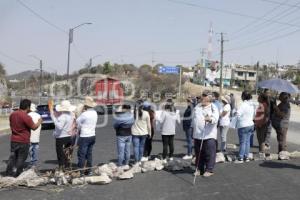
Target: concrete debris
{"x": 78, "y": 181}
{"x": 118, "y": 172}
{"x": 37, "y": 181}
{"x": 231, "y": 146}
{"x": 158, "y": 164}
{"x": 259, "y": 156}
{"x": 177, "y": 164}
{"x": 98, "y": 180}
{"x": 106, "y": 169}
{"x": 95, "y": 180}
{"x": 284, "y": 155}
{"x": 112, "y": 166}
{"x": 295, "y": 154}
{"x": 125, "y": 175}
{"x": 60, "y": 178}
{"x": 135, "y": 169}
{"x": 148, "y": 166}
{"x": 220, "y": 158}
{"x": 272, "y": 157}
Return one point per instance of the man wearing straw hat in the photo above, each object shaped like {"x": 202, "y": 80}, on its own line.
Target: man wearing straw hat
{"x": 34, "y": 137}
{"x": 86, "y": 124}
{"x": 63, "y": 120}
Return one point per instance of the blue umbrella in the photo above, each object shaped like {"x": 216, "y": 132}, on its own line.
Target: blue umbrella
{"x": 279, "y": 85}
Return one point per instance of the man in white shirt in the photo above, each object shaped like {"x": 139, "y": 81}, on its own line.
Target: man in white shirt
{"x": 224, "y": 121}
{"x": 206, "y": 118}
{"x": 86, "y": 124}
{"x": 34, "y": 137}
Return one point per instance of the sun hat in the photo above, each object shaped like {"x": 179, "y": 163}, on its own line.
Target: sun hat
{"x": 225, "y": 98}
{"x": 65, "y": 106}
{"x": 89, "y": 102}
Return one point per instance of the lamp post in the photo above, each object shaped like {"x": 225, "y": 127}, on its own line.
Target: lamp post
{"x": 71, "y": 30}
{"x": 41, "y": 76}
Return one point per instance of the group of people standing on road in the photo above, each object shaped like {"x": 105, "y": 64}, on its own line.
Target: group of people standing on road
{"x": 204, "y": 118}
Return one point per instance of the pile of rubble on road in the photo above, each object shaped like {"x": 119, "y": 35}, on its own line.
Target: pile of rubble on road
{"x": 105, "y": 173}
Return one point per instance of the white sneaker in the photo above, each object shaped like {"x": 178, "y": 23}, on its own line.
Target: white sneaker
{"x": 144, "y": 159}
{"x": 187, "y": 157}
{"x": 171, "y": 159}
{"x": 125, "y": 167}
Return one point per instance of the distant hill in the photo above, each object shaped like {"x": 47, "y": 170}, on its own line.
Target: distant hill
{"x": 23, "y": 75}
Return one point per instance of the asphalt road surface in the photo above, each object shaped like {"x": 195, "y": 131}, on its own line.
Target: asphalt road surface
{"x": 255, "y": 180}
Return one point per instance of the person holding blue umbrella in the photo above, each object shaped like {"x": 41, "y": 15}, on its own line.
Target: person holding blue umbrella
{"x": 280, "y": 120}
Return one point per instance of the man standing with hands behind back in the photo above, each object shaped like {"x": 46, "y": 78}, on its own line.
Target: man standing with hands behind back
{"x": 20, "y": 124}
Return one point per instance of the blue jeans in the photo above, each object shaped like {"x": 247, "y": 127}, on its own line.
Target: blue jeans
{"x": 189, "y": 140}
{"x": 244, "y": 138}
{"x": 34, "y": 153}
{"x": 85, "y": 151}
{"x": 138, "y": 146}
{"x": 123, "y": 146}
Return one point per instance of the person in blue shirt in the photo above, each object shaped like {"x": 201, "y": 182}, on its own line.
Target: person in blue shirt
{"x": 122, "y": 122}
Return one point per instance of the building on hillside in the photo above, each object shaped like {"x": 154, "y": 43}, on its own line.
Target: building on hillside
{"x": 244, "y": 76}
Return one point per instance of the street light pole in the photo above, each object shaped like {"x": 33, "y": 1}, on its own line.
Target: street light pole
{"x": 41, "y": 76}
{"x": 71, "y": 31}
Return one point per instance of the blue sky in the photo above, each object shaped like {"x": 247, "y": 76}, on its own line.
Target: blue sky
{"x": 129, "y": 31}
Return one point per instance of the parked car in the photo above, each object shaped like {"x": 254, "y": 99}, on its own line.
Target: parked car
{"x": 43, "y": 110}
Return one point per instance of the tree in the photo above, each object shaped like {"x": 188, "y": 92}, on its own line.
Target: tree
{"x": 107, "y": 68}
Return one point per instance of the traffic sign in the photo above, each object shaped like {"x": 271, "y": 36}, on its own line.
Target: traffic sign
{"x": 169, "y": 70}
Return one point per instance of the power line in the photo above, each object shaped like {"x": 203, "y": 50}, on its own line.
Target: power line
{"x": 270, "y": 32}
{"x": 232, "y": 13}
{"x": 257, "y": 20}
{"x": 264, "y": 41}
{"x": 40, "y": 17}
{"x": 277, "y": 2}
{"x": 15, "y": 59}
{"x": 264, "y": 25}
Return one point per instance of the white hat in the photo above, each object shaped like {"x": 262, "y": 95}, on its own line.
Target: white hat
{"x": 226, "y": 98}
{"x": 89, "y": 101}
{"x": 65, "y": 106}
{"x": 33, "y": 107}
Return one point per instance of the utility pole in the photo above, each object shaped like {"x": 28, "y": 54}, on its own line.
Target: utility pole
{"x": 153, "y": 61}
{"x": 180, "y": 71}
{"x": 256, "y": 85}
{"x": 203, "y": 52}
{"x": 221, "y": 63}
{"x": 69, "y": 50}
{"x": 71, "y": 31}
{"x": 41, "y": 80}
